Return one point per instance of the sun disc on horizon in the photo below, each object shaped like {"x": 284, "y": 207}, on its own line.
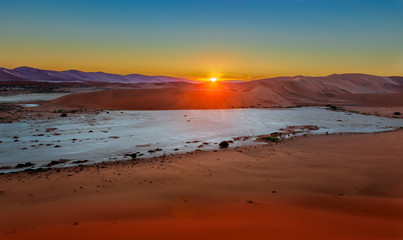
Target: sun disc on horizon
{"x": 213, "y": 79}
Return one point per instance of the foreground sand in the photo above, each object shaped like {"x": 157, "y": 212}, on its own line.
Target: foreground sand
{"x": 316, "y": 187}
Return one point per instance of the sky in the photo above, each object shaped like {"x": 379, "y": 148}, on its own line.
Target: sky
{"x": 228, "y": 39}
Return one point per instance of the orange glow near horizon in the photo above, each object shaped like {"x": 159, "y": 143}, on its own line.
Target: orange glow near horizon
{"x": 272, "y": 40}
{"x": 211, "y": 76}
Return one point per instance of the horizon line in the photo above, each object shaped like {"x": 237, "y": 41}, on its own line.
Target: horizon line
{"x": 203, "y": 77}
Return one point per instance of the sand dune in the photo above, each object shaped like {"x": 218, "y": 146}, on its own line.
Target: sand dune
{"x": 169, "y": 93}
{"x": 348, "y": 89}
{"x": 167, "y": 98}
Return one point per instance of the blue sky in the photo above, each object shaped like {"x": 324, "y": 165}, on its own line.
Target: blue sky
{"x": 239, "y": 38}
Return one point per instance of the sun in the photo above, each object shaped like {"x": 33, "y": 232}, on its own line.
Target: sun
{"x": 213, "y": 79}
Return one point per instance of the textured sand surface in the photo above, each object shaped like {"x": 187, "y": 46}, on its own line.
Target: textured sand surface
{"x": 316, "y": 187}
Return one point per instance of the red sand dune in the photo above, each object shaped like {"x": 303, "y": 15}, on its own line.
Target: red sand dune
{"x": 167, "y": 98}
{"x": 347, "y": 89}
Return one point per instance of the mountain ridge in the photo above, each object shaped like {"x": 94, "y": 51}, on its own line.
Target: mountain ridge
{"x": 35, "y": 74}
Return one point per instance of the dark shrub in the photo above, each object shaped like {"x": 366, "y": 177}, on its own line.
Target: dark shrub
{"x": 272, "y": 139}
{"x": 397, "y": 113}
{"x": 274, "y": 134}
{"x": 223, "y": 144}
{"x": 80, "y": 161}
{"x": 23, "y": 165}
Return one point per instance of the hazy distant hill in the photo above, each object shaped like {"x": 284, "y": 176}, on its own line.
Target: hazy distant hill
{"x": 33, "y": 74}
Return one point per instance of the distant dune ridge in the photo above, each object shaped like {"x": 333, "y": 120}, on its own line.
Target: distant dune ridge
{"x": 151, "y": 93}
{"x": 33, "y": 74}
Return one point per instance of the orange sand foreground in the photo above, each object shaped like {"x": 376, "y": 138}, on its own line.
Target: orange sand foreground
{"x": 316, "y": 187}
